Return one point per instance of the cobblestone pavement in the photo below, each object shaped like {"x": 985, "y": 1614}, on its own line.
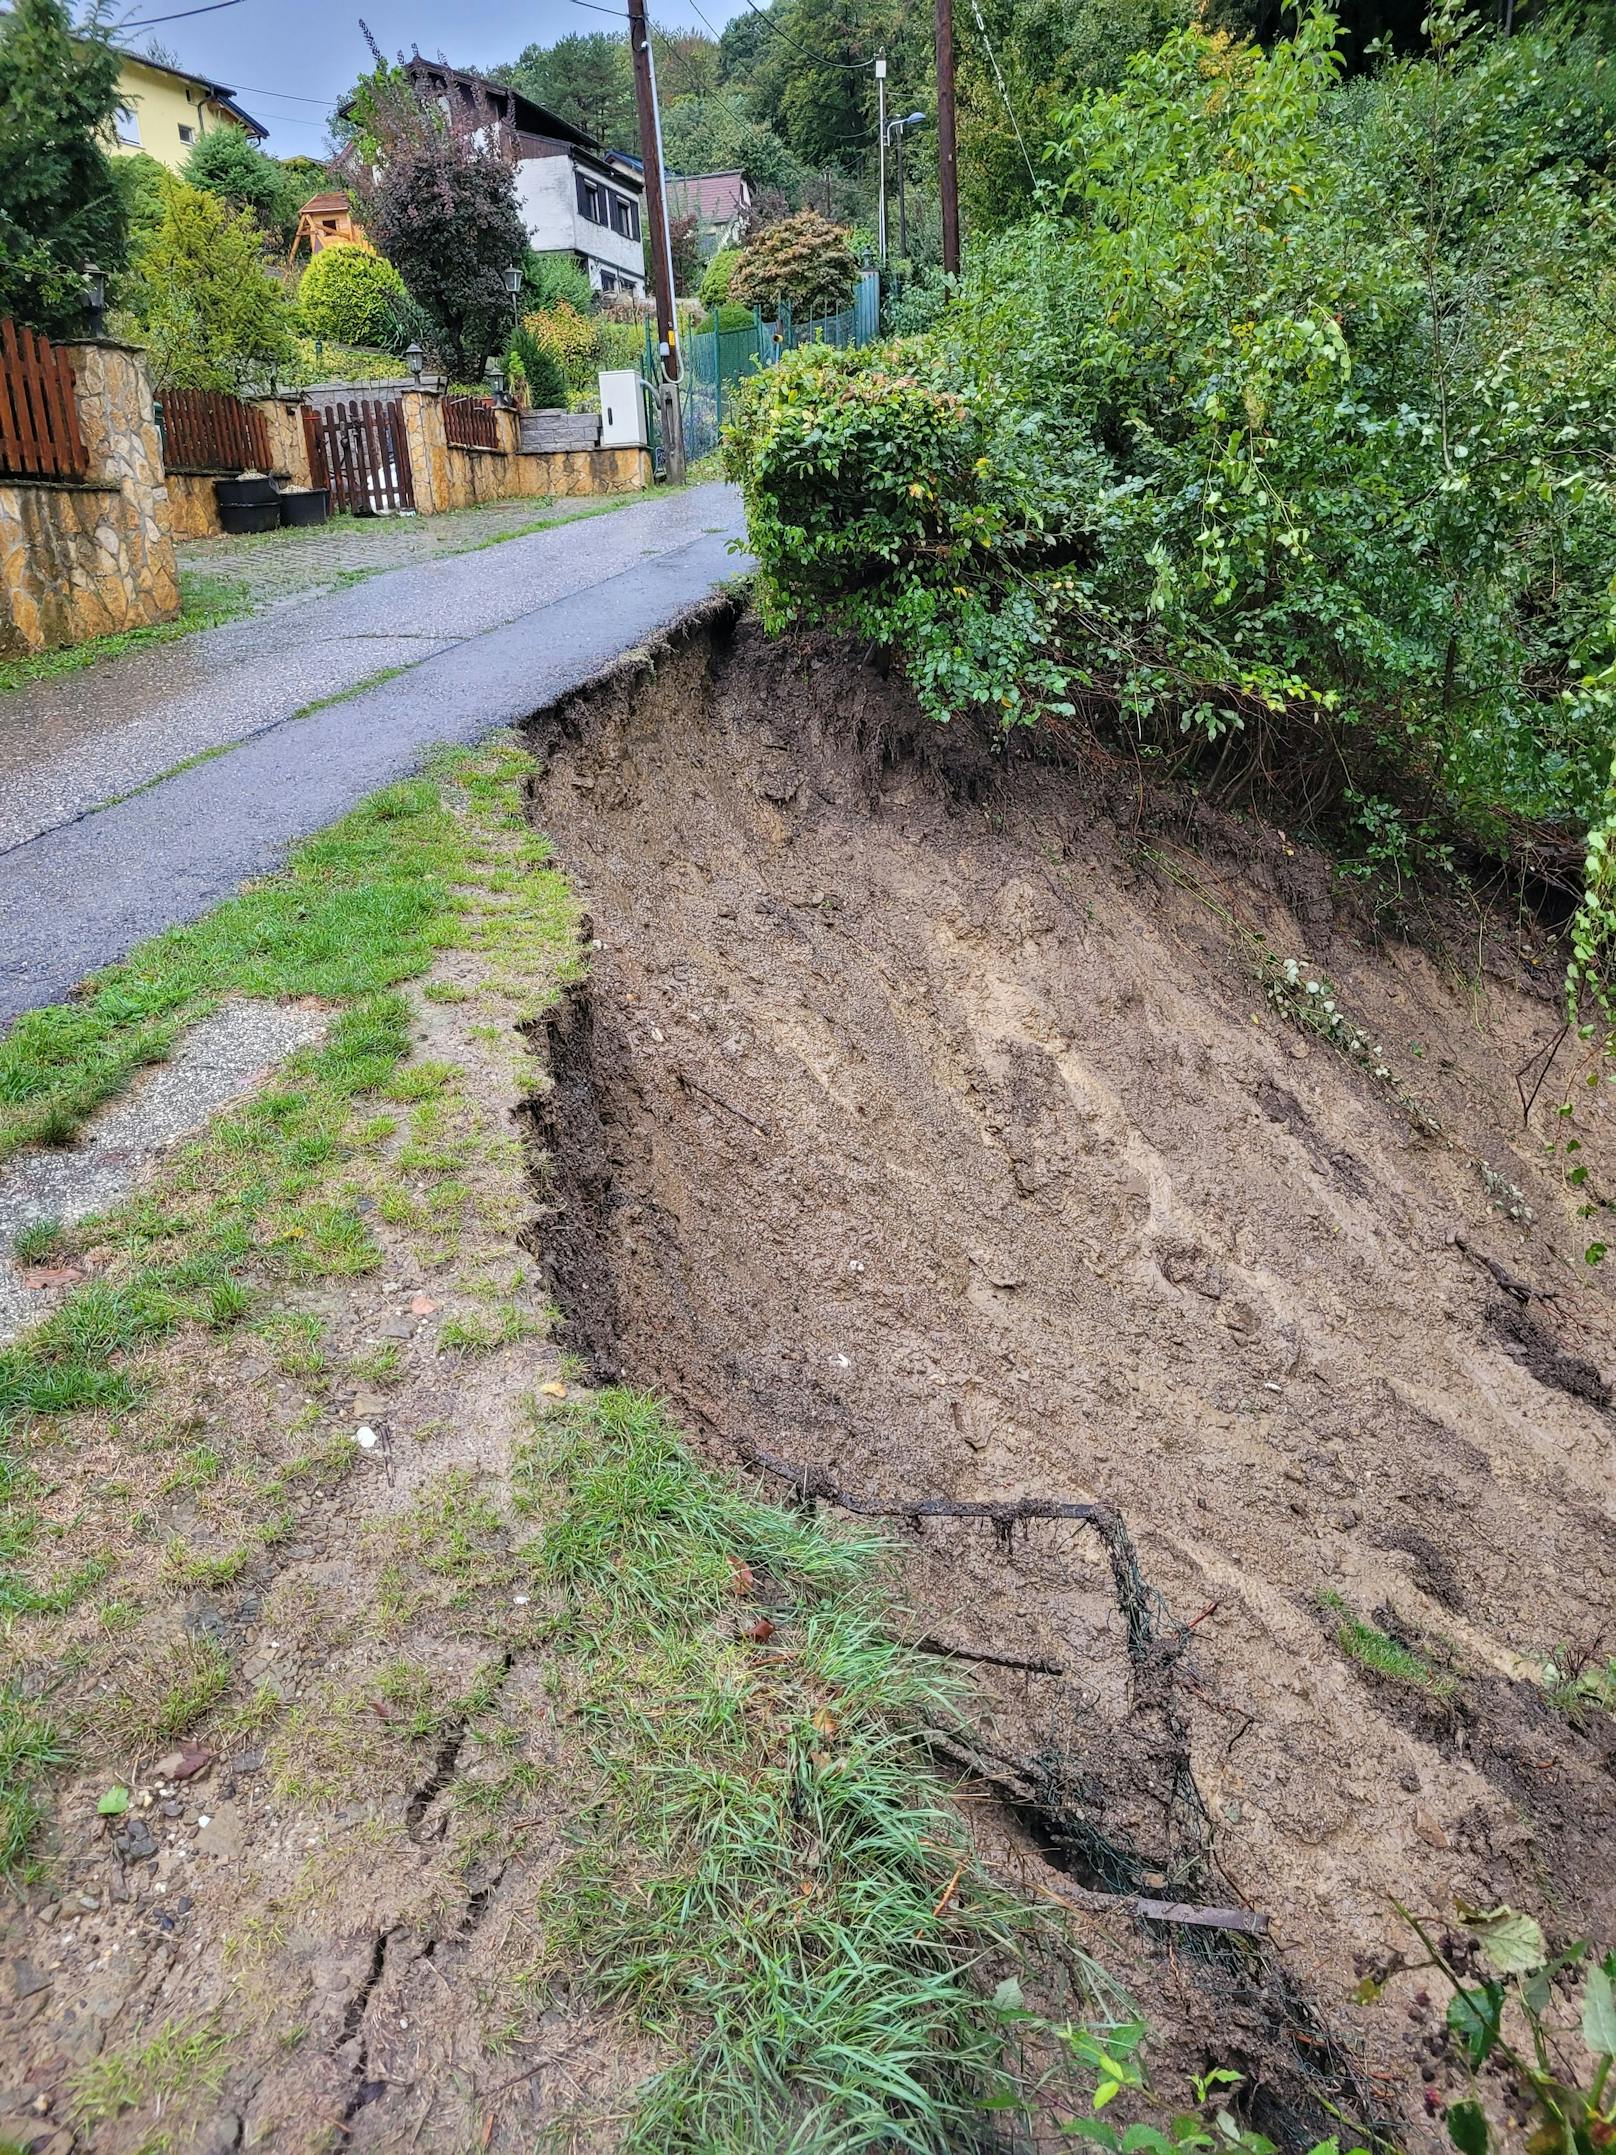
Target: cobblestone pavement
{"x": 276, "y": 566}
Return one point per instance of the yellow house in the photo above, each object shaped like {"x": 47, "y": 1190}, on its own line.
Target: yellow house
{"x": 164, "y": 109}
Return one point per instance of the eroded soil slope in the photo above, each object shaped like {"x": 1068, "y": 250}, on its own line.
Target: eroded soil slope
{"x": 925, "y": 1121}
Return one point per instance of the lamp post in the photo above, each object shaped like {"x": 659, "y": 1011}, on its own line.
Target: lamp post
{"x": 95, "y": 297}
{"x": 494, "y": 375}
{"x": 414, "y": 358}
{"x": 513, "y": 285}
{"x": 895, "y": 134}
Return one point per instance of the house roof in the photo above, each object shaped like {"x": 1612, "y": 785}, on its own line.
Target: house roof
{"x": 218, "y": 93}
{"x": 523, "y": 114}
{"x": 716, "y": 197}
{"x": 324, "y": 205}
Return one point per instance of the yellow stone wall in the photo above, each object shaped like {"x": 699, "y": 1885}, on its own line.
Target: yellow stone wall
{"x": 447, "y": 478}
{"x": 91, "y": 558}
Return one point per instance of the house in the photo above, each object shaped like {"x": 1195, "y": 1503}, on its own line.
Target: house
{"x": 576, "y": 197}
{"x": 163, "y": 110}
{"x": 719, "y": 201}
{"x": 327, "y": 221}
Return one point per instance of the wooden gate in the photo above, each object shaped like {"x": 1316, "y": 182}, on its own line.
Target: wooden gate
{"x": 205, "y": 430}
{"x": 39, "y": 418}
{"x": 357, "y": 448}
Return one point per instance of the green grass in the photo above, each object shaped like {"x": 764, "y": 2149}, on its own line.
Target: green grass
{"x": 30, "y": 1745}
{"x": 267, "y": 1190}
{"x": 205, "y": 602}
{"x": 33, "y": 1244}
{"x": 1383, "y": 1655}
{"x": 173, "y": 2070}
{"x": 761, "y": 1874}
{"x": 1578, "y": 1683}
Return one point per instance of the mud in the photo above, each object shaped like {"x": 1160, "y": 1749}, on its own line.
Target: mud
{"x": 924, "y": 1123}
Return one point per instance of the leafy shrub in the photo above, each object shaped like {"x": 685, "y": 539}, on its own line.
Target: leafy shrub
{"x": 729, "y": 319}
{"x": 714, "y": 288}
{"x": 346, "y": 293}
{"x": 538, "y": 370}
{"x": 444, "y": 213}
{"x": 547, "y": 278}
{"x": 622, "y": 344}
{"x": 1293, "y": 426}
{"x": 570, "y": 337}
{"x": 226, "y": 164}
{"x": 803, "y": 261}
{"x": 59, "y": 204}
{"x": 214, "y": 317}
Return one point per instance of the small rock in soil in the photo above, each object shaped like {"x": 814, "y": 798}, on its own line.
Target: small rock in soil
{"x": 137, "y": 1843}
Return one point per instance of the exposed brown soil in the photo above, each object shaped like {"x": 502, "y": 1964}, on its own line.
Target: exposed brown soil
{"x": 924, "y": 1122}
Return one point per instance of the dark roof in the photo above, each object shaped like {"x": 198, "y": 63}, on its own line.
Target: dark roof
{"x": 524, "y": 115}
{"x": 217, "y": 91}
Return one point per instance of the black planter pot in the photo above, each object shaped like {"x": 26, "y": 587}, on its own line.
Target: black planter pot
{"x": 305, "y": 505}
{"x": 238, "y": 517}
{"x": 243, "y": 493}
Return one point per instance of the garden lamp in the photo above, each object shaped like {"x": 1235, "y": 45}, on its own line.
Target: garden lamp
{"x": 513, "y": 285}
{"x": 494, "y": 375}
{"x": 413, "y": 359}
{"x": 95, "y": 294}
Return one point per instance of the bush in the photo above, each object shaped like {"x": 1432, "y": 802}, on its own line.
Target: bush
{"x": 226, "y": 164}
{"x": 622, "y": 344}
{"x": 538, "y": 370}
{"x": 715, "y": 281}
{"x": 444, "y": 213}
{"x": 214, "y": 317}
{"x": 803, "y": 261}
{"x": 1291, "y": 435}
{"x": 346, "y": 294}
{"x": 569, "y": 336}
{"x": 547, "y": 278}
{"x": 60, "y": 206}
{"x": 729, "y": 319}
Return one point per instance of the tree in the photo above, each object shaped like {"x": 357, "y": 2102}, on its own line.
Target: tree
{"x": 347, "y": 294}
{"x": 226, "y": 164}
{"x": 588, "y": 79}
{"x": 684, "y": 235}
{"x": 59, "y": 204}
{"x": 213, "y": 316}
{"x": 803, "y": 260}
{"x": 444, "y": 213}
{"x": 716, "y": 134}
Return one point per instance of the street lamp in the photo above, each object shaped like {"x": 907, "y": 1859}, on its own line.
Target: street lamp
{"x": 95, "y": 296}
{"x": 513, "y": 285}
{"x": 494, "y": 375}
{"x": 895, "y": 134}
{"x": 414, "y": 358}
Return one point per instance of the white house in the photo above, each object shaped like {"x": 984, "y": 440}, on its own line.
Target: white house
{"x": 576, "y": 197}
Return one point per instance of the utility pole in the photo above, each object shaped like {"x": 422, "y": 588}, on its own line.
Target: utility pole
{"x": 881, "y": 141}
{"x": 947, "y": 142}
{"x": 656, "y": 209}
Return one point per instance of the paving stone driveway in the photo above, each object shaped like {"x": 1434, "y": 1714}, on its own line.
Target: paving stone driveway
{"x": 279, "y": 565}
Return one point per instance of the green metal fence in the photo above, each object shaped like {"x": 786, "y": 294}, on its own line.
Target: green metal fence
{"x": 717, "y": 361}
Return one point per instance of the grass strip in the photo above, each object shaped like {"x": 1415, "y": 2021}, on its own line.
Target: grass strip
{"x": 205, "y": 603}
{"x": 766, "y": 1874}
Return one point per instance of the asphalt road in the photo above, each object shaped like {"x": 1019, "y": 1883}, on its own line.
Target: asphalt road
{"x": 486, "y": 639}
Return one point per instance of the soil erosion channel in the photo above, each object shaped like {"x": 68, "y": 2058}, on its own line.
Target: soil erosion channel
{"x": 921, "y": 1125}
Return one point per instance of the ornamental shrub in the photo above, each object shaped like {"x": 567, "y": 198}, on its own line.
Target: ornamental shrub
{"x": 213, "y": 316}
{"x": 714, "y": 288}
{"x": 569, "y": 336}
{"x": 727, "y": 320}
{"x": 347, "y": 294}
{"x": 60, "y": 206}
{"x": 444, "y": 213}
{"x": 803, "y": 261}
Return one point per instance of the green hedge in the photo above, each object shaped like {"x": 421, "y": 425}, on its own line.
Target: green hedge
{"x": 345, "y": 294}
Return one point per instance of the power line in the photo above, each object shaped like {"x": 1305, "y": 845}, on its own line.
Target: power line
{"x": 149, "y": 22}
{"x": 850, "y": 67}
{"x": 1003, "y": 92}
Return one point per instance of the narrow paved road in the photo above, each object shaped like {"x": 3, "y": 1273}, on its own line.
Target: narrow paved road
{"x": 89, "y": 864}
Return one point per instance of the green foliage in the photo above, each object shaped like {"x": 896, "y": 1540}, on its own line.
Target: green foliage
{"x": 59, "y": 204}
{"x": 803, "y": 262}
{"x": 570, "y": 337}
{"x": 1294, "y": 424}
{"x": 1381, "y": 1654}
{"x": 714, "y": 289}
{"x": 539, "y": 369}
{"x": 718, "y": 133}
{"x": 226, "y": 164}
{"x": 139, "y": 179}
{"x": 587, "y": 78}
{"x": 213, "y": 316}
{"x": 444, "y": 213}
{"x": 1506, "y": 2012}
{"x": 729, "y": 321}
{"x": 547, "y": 278}
{"x": 346, "y": 293}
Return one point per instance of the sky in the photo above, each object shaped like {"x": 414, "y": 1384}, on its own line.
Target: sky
{"x": 289, "y": 60}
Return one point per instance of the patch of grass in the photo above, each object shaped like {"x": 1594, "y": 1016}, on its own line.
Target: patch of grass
{"x": 169, "y": 1695}
{"x": 30, "y": 1745}
{"x": 174, "y": 2069}
{"x": 185, "y": 1567}
{"x": 481, "y": 1331}
{"x": 346, "y": 695}
{"x": 36, "y": 1243}
{"x": 382, "y": 1365}
{"x": 205, "y": 602}
{"x": 1383, "y": 1655}
{"x": 297, "y": 1341}
{"x": 766, "y": 1876}
{"x": 1577, "y": 1682}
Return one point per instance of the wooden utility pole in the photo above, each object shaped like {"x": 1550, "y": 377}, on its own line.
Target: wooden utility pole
{"x": 656, "y": 210}
{"x": 947, "y": 141}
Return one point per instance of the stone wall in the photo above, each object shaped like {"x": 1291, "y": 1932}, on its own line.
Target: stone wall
{"x": 92, "y": 557}
{"x": 448, "y": 478}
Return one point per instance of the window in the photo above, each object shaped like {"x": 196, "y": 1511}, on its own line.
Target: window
{"x": 625, "y": 217}
{"x": 126, "y": 127}
{"x": 187, "y": 134}
{"x": 591, "y": 200}
{"x": 608, "y": 283}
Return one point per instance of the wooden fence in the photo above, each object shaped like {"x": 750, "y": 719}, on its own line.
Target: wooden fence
{"x": 469, "y": 423}
{"x": 358, "y": 448}
{"x": 39, "y": 420}
{"x": 205, "y": 430}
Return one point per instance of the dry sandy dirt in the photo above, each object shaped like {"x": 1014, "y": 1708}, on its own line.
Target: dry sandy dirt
{"x": 924, "y": 1122}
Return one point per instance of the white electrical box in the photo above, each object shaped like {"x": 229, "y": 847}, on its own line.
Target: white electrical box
{"x": 622, "y": 409}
